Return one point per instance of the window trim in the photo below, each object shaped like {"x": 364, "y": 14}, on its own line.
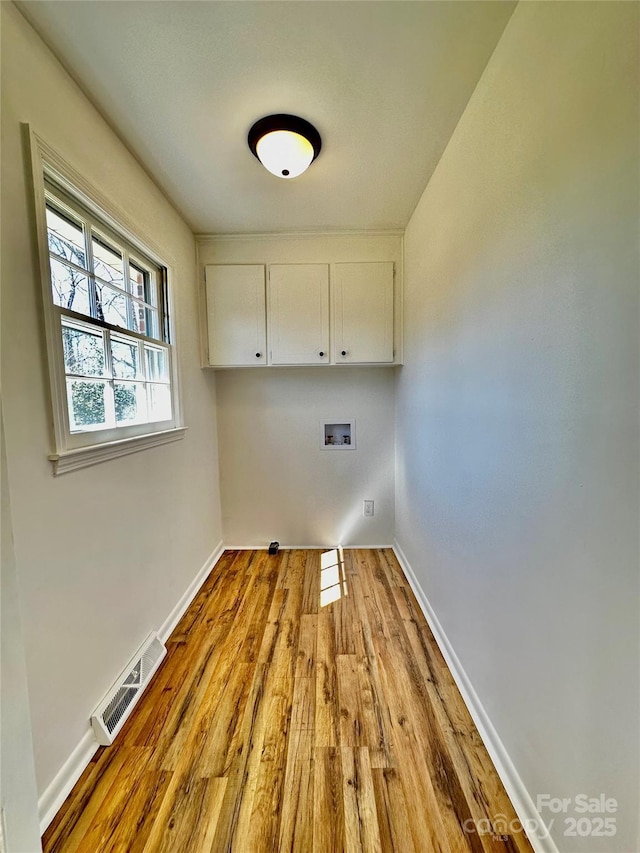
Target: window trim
{"x": 77, "y": 450}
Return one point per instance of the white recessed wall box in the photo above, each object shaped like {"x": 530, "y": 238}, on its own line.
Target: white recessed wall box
{"x": 337, "y": 434}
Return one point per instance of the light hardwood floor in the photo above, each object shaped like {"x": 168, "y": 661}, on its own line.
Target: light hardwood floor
{"x": 303, "y": 705}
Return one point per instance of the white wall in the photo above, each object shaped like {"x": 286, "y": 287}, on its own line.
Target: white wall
{"x": 104, "y": 553}
{"x": 517, "y": 407}
{"x": 18, "y": 797}
{"x": 276, "y": 482}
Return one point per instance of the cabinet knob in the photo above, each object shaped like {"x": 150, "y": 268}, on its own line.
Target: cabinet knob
{"x": 321, "y": 354}
{"x": 258, "y": 354}
{"x": 344, "y": 352}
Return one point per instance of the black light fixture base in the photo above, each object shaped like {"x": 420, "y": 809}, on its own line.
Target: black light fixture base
{"x": 283, "y": 121}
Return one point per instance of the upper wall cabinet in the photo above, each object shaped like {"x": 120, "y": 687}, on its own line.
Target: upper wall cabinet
{"x": 299, "y": 313}
{"x": 336, "y": 313}
{"x": 236, "y": 317}
{"x": 363, "y": 313}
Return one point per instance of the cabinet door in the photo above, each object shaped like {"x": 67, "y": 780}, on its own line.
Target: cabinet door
{"x": 236, "y": 315}
{"x": 363, "y": 313}
{"x": 299, "y": 313}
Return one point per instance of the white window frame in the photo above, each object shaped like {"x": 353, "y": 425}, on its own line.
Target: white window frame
{"x": 73, "y": 450}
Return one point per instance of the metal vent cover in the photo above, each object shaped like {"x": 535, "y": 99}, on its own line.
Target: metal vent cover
{"x": 111, "y": 713}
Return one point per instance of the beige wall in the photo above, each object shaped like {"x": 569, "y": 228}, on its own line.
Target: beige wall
{"x": 104, "y": 553}
{"x": 517, "y": 407}
{"x": 18, "y": 797}
{"x": 276, "y": 482}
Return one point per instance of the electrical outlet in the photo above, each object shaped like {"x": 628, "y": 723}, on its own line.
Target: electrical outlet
{"x": 368, "y": 509}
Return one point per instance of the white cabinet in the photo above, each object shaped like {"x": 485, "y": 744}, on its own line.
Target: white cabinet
{"x": 363, "y": 313}
{"x": 236, "y": 316}
{"x": 299, "y": 313}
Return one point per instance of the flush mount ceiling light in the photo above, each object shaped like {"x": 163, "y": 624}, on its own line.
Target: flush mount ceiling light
{"x": 285, "y": 145}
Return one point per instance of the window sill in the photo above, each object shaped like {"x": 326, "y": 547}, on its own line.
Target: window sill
{"x": 71, "y": 460}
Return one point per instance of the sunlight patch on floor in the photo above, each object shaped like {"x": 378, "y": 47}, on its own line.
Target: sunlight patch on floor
{"x": 333, "y": 581}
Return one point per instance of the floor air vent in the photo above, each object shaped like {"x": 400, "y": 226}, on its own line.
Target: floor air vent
{"x": 111, "y": 713}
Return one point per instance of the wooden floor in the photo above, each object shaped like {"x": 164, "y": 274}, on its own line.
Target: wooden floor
{"x": 303, "y": 705}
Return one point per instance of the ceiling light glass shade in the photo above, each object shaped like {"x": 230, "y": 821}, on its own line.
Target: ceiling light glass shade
{"x": 286, "y": 145}
{"x": 284, "y": 153}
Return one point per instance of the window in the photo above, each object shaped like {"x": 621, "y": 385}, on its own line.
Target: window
{"x": 111, "y": 309}
{"x": 111, "y": 356}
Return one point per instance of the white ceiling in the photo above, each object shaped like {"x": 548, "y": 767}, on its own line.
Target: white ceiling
{"x": 181, "y": 82}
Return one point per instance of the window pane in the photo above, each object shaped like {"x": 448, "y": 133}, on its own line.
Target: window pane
{"x": 107, "y": 262}
{"x": 86, "y": 404}
{"x": 159, "y": 403}
{"x": 153, "y": 328}
{"x": 130, "y": 402}
{"x": 157, "y": 364}
{"x": 139, "y": 280}
{"x": 70, "y": 289}
{"x": 138, "y": 318}
{"x": 111, "y": 305}
{"x": 124, "y": 356}
{"x": 145, "y": 320}
{"x": 83, "y": 351}
{"x": 66, "y": 238}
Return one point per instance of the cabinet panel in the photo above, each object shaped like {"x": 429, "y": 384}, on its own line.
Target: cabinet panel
{"x": 299, "y": 313}
{"x": 363, "y": 313}
{"x": 236, "y": 316}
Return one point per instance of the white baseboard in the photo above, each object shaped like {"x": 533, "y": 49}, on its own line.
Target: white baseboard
{"x": 180, "y": 609}
{"x": 304, "y": 547}
{"x": 59, "y": 789}
{"x": 525, "y": 808}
